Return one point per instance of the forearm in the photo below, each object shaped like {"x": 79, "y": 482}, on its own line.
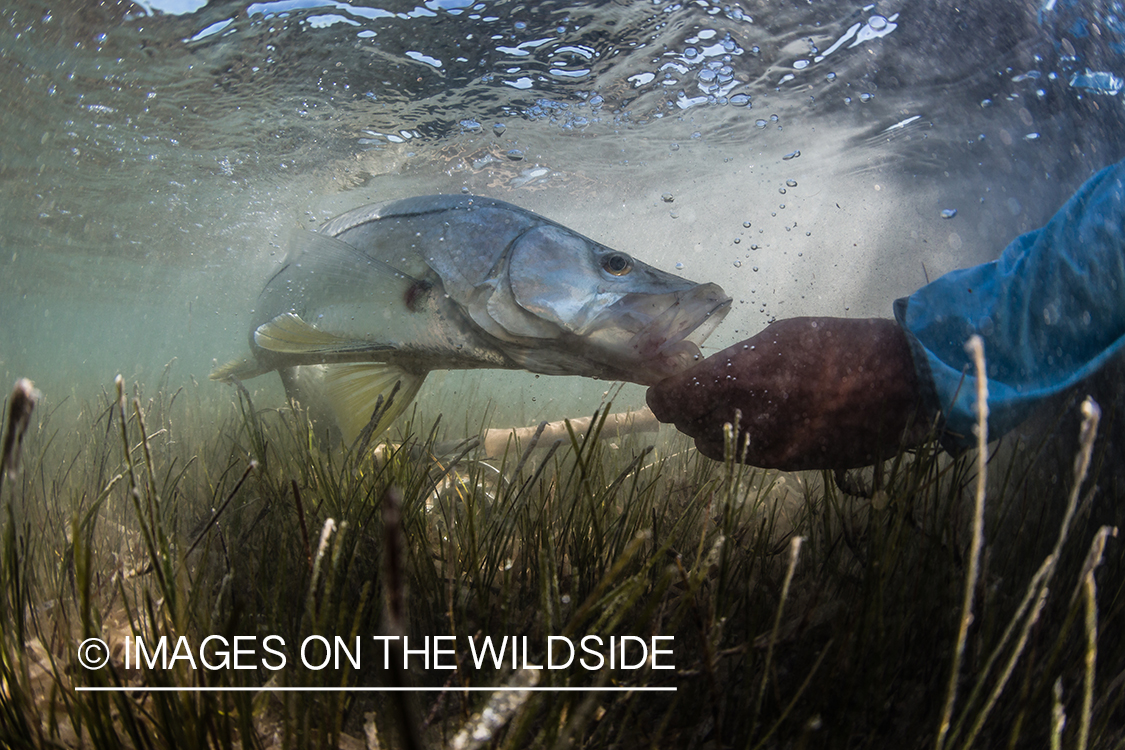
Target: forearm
{"x": 1050, "y": 311}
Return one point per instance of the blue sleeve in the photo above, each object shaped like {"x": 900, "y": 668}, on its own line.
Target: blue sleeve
{"x": 1051, "y": 311}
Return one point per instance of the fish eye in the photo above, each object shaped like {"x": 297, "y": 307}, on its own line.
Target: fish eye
{"x": 617, "y": 264}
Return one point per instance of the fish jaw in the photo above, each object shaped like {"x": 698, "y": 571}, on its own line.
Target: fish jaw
{"x": 645, "y": 338}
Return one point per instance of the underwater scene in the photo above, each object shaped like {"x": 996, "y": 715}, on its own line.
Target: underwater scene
{"x": 334, "y": 328}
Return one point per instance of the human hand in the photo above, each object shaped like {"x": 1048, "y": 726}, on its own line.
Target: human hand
{"x": 813, "y": 393}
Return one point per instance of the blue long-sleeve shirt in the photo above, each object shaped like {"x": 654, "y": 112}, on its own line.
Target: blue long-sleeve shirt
{"x": 1051, "y": 311}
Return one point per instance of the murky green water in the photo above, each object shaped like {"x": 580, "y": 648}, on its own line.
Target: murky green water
{"x": 154, "y": 155}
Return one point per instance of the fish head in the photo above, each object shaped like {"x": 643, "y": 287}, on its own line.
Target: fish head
{"x": 617, "y": 317}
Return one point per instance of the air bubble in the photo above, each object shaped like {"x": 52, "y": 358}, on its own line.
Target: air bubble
{"x": 791, "y": 183}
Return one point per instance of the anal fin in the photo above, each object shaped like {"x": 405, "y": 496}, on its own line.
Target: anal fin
{"x": 353, "y": 391}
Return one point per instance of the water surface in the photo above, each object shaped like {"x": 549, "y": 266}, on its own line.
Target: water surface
{"x": 812, "y": 158}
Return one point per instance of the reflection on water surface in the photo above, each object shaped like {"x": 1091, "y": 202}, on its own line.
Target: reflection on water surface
{"x": 156, "y": 154}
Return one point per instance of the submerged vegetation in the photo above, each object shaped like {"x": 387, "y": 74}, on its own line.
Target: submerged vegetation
{"x": 793, "y": 614}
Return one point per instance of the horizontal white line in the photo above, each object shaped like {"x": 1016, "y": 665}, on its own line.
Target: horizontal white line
{"x": 474, "y": 689}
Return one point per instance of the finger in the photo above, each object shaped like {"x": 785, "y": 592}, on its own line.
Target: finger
{"x": 661, "y": 401}
{"x": 710, "y": 448}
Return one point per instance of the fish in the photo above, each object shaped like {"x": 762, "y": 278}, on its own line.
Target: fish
{"x": 380, "y": 296}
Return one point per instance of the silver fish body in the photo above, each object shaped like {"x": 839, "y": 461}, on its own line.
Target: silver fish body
{"x": 386, "y": 293}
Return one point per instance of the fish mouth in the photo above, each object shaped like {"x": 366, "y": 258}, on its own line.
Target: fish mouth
{"x": 649, "y": 337}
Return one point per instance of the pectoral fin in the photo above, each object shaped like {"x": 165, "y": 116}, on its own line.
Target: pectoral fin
{"x": 243, "y": 369}
{"x": 289, "y": 334}
{"x": 353, "y": 391}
